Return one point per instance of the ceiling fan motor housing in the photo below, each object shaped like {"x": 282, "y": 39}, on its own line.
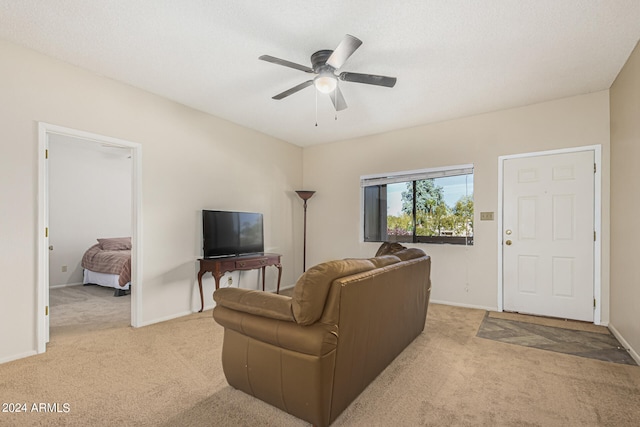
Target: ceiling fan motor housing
{"x": 319, "y": 61}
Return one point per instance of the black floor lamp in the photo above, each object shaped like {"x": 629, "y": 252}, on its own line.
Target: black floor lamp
{"x": 305, "y": 195}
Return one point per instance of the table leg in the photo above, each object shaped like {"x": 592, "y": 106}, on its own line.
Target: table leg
{"x": 263, "y": 271}
{"x": 217, "y": 277}
{"x": 279, "y": 266}
{"x": 200, "y": 274}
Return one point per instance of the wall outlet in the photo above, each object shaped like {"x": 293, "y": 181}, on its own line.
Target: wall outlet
{"x": 230, "y": 280}
{"x": 64, "y": 268}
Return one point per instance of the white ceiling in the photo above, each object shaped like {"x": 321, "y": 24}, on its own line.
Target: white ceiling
{"x": 452, "y": 58}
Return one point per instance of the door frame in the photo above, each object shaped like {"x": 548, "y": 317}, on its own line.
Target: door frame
{"x": 597, "y": 217}
{"x": 42, "y": 296}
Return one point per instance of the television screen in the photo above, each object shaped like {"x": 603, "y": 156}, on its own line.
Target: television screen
{"x": 231, "y": 233}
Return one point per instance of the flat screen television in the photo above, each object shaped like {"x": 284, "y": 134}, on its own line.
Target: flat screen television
{"x": 227, "y": 233}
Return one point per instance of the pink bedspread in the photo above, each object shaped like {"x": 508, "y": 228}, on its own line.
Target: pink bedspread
{"x": 112, "y": 262}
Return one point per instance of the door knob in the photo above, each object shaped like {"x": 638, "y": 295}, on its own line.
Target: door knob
{"x": 508, "y": 242}
{"x": 508, "y": 232}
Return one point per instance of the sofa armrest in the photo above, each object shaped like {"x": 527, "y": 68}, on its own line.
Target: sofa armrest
{"x": 317, "y": 340}
{"x": 259, "y": 303}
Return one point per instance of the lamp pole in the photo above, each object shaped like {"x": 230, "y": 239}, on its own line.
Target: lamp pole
{"x": 305, "y": 195}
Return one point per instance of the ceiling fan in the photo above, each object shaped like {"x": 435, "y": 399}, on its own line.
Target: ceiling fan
{"x": 325, "y": 65}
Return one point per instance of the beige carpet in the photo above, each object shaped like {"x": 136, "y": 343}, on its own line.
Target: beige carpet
{"x": 169, "y": 374}
{"x": 78, "y": 309}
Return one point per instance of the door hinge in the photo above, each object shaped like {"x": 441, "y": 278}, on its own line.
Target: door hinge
{"x": 46, "y": 154}
{"x": 594, "y": 303}
{"x": 594, "y": 168}
{"x": 594, "y": 236}
{"x": 46, "y": 310}
{"x": 46, "y": 232}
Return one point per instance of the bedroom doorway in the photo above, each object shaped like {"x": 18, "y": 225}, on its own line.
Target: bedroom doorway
{"x": 57, "y": 139}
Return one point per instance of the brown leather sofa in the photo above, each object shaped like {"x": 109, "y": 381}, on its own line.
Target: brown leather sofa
{"x": 313, "y": 353}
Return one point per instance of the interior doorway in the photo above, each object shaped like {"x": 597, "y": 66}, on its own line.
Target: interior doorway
{"x": 47, "y": 134}
{"x": 549, "y": 221}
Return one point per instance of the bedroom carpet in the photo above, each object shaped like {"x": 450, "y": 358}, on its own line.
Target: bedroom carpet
{"x": 76, "y": 309}
{"x": 169, "y": 374}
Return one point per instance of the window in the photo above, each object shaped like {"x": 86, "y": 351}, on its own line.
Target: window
{"x": 425, "y": 206}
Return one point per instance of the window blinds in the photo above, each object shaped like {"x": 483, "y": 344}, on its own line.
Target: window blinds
{"x": 415, "y": 175}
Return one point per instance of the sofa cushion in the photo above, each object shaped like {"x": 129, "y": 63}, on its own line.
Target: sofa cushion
{"x": 310, "y": 292}
{"x": 410, "y": 253}
{"x": 388, "y": 248}
{"x": 384, "y": 260}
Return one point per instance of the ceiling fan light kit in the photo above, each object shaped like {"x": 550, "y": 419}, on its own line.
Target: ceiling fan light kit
{"x": 325, "y": 83}
{"x": 325, "y": 64}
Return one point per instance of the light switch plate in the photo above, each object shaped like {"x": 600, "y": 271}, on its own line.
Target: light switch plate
{"x": 486, "y": 216}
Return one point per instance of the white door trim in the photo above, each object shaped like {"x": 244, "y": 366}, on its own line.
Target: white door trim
{"x": 42, "y": 300}
{"x": 597, "y": 215}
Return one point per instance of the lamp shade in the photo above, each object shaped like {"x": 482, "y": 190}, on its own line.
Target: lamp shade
{"x": 305, "y": 194}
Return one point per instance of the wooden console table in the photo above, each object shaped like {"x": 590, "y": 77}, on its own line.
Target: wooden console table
{"x": 219, "y": 266}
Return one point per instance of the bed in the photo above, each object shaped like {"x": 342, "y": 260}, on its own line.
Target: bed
{"x": 108, "y": 263}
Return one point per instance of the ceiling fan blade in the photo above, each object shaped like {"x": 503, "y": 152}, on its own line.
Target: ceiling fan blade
{"x": 286, "y": 63}
{"x": 369, "y": 79}
{"x": 293, "y": 90}
{"x": 338, "y": 100}
{"x": 345, "y": 49}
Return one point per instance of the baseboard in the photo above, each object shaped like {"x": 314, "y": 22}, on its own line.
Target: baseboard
{"x": 18, "y": 356}
{"x": 66, "y": 285}
{"x": 164, "y": 319}
{"x": 625, "y": 344}
{"x": 455, "y": 304}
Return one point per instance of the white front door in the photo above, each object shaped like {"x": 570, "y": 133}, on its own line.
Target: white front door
{"x": 548, "y": 235}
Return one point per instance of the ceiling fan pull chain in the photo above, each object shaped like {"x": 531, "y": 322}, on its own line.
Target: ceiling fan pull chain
{"x": 316, "y": 108}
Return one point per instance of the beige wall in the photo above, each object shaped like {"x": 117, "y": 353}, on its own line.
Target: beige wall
{"x": 190, "y": 161}
{"x": 461, "y": 275}
{"x": 625, "y": 202}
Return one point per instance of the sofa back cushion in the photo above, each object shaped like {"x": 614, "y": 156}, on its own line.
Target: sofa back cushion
{"x": 310, "y": 292}
{"x": 389, "y": 248}
{"x": 384, "y": 260}
{"x": 409, "y": 253}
